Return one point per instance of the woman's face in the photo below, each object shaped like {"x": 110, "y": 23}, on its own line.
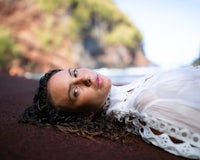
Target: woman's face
{"x": 79, "y": 89}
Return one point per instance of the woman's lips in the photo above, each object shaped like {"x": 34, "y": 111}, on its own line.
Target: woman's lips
{"x": 99, "y": 81}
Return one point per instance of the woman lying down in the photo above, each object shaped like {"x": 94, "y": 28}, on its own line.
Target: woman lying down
{"x": 164, "y": 108}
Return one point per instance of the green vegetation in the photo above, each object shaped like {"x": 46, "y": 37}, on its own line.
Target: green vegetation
{"x": 81, "y": 13}
{"x": 50, "y": 5}
{"x": 7, "y": 47}
{"x": 49, "y": 36}
{"x": 122, "y": 34}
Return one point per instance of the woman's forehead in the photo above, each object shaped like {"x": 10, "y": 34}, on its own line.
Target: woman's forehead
{"x": 60, "y": 74}
{"x": 58, "y": 86}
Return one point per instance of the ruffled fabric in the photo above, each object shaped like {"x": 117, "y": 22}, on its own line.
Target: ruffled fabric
{"x": 164, "y": 109}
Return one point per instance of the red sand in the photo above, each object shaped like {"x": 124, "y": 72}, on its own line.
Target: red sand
{"x": 23, "y": 141}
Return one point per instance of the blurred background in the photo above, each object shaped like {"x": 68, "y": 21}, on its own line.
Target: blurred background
{"x": 121, "y": 39}
{"x": 170, "y": 29}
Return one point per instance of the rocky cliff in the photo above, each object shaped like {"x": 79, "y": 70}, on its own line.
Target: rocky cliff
{"x": 38, "y": 35}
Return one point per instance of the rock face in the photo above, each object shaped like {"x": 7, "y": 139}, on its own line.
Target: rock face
{"x": 117, "y": 56}
{"x": 43, "y": 42}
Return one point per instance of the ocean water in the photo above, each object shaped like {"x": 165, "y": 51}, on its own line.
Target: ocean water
{"x": 118, "y": 76}
{"x": 127, "y": 75}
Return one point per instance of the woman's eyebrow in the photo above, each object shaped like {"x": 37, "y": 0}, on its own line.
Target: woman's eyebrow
{"x": 69, "y": 71}
{"x": 69, "y": 91}
{"x": 70, "y": 86}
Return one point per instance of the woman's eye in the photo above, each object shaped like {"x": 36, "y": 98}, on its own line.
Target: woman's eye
{"x": 75, "y": 92}
{"x": 75, "y": 73}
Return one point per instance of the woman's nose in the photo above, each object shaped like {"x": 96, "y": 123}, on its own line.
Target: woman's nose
{"x": 84, "y": 80}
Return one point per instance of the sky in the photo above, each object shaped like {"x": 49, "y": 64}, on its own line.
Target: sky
{"x": 170, "y": 29}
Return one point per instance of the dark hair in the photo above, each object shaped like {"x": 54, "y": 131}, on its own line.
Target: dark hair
{"x": 44, "y": 113}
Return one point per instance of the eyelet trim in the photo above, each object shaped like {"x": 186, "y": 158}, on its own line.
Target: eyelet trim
{"x": 189, "y": 146}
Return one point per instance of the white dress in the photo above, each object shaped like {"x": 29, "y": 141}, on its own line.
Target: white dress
{"x": 168, "y": 102}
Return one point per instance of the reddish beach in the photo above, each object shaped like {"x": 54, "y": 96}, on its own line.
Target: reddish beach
{"x": 23, "y": 141}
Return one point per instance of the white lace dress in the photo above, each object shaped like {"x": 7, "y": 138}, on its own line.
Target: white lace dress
{"x": 164, "y": 108}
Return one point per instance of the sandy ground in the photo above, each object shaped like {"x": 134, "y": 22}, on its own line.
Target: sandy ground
{"x": 23, "y": 141}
